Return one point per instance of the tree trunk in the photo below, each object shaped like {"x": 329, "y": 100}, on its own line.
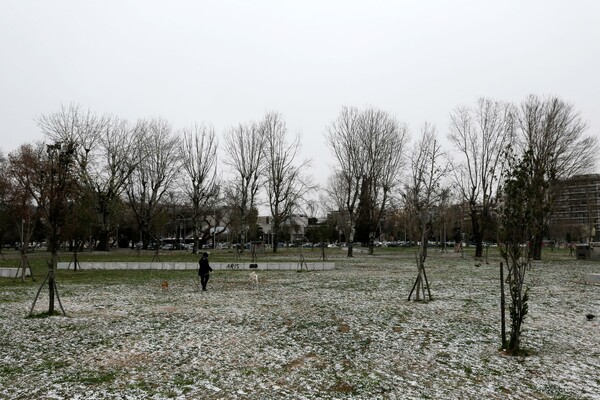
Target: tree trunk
{"x": 51, "y": 282}
{"x": 516, "y": 320}
{"x": 537, "y": 247}
{"x": 350, "y": 245}
{"x": 196, "y": 247}
{"x": 275, "y": 239}
{"x": 350, "y": 242}
{"x": 24, "y": 263}
{"x": 420, "y": 289}
{"x": 146, "y": 239}
{"x": 502, "y": 307}
{"x": 477, "y": 234}
{"x": 102, "y": 244}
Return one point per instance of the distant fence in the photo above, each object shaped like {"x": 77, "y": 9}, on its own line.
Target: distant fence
{"x": 12, "y": 272}
{"x": 311, "y": 266}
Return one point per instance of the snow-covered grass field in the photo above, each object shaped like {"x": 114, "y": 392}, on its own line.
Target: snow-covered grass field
{"x": 346, "y": 333}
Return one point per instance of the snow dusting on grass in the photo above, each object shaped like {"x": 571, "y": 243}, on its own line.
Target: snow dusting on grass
{"x": 346, "y": 333}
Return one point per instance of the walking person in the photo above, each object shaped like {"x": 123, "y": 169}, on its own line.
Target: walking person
{"x": 204, "y": 270}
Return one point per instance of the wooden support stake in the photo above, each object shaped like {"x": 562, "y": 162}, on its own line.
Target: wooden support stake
{"x": 502, "y": 313}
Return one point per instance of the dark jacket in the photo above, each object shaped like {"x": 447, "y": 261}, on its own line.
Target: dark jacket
{"x": 204, "y": 268}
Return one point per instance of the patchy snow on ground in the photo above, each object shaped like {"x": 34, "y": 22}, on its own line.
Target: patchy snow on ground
{"x": 345, "y": 333}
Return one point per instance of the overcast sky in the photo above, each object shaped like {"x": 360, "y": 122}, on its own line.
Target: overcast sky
{"x": 226, "y": 62}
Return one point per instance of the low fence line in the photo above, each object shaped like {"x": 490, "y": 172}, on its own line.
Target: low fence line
{"x": 311, "y": 266}
{"x": 7, "y": 272}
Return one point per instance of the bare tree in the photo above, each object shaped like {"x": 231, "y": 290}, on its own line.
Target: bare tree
{"x": 244, "y": 146}
{"x": 17, "y": 208}
{"x": 105, "y": 169}
{"x": 285, "y": 182}
{"x": 344, "y": 141}
{"x": 423, "y": 192}
{"x": 384, "y": 142}
{"x": 49, "y": 173}
{"x": 368, "y": 146}
{"x": 75, "y": 124}
{"x": 21, "y": 210}
{"x": 5, "y": 202}
{"x": 156, "y": 174}
{"x": 104, "y": 150}
{"x": 554, "y": 132}
{"x": 199, "y": 161}
{"x": 108, "y": 172}
{"x": 481, "y": 135}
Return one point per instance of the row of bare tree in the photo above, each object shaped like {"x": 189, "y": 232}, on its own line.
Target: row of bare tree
{"x": 376, "y": 171}
{"x": 149, "y": 166}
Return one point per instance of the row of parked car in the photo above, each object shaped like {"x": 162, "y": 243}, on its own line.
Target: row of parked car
{"x": 30, "y": 246}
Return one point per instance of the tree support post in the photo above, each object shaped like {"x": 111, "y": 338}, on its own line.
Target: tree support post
{"x": 53, "y": 289}
{"x": 23, "y": 269}
{"x": 502, "y": 304}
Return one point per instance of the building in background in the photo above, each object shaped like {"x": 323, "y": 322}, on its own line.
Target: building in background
{"x": 292, "y": 229}
{"x": 576, "y": 216}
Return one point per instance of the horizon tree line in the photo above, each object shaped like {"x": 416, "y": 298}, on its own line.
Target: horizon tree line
{"x": 148, "y": 172}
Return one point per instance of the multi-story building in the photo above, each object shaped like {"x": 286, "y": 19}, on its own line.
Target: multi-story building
{"x": 576, "y": 214}
{"x": 292, "y": 229}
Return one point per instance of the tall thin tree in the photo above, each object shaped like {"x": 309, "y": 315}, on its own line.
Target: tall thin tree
{"x": 157, "y": 172}
{"x": 423, "y": 192}
{"x": 286, "y": 183}
{"x": 199, "y": 161}
{"x": 480, "y": 134}
{"x": 244, "y": 146}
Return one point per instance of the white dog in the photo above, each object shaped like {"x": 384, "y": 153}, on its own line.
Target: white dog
{"x": 253, "y": 277}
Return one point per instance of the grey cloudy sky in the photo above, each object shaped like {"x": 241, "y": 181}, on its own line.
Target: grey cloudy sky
{"x": 226, "y": 62}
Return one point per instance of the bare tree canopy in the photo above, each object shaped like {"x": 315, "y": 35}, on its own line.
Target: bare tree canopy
{"x": 110, "y": 166}
{"x": 156, "y": 174}
{"x": 423, "y": 192}
{"x": 104, "y": 150}
{"x": 480, "y": 134}
{"x": 75, "y": 124}
{"x": 285, "y": 181}
{"x": 368, "y": 146}
{"x": 553, "y": 132}
{"x": 244, "y": 146}
{"x": 199, "y": 161}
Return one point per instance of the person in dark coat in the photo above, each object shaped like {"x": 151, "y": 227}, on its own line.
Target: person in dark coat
{"x": 204, "y": 270}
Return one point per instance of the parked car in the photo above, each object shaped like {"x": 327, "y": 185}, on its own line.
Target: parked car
{"x": 167, "y": 246}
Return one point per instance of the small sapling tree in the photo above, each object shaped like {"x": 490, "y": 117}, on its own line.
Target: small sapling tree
{"x": 516, "y": 230}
